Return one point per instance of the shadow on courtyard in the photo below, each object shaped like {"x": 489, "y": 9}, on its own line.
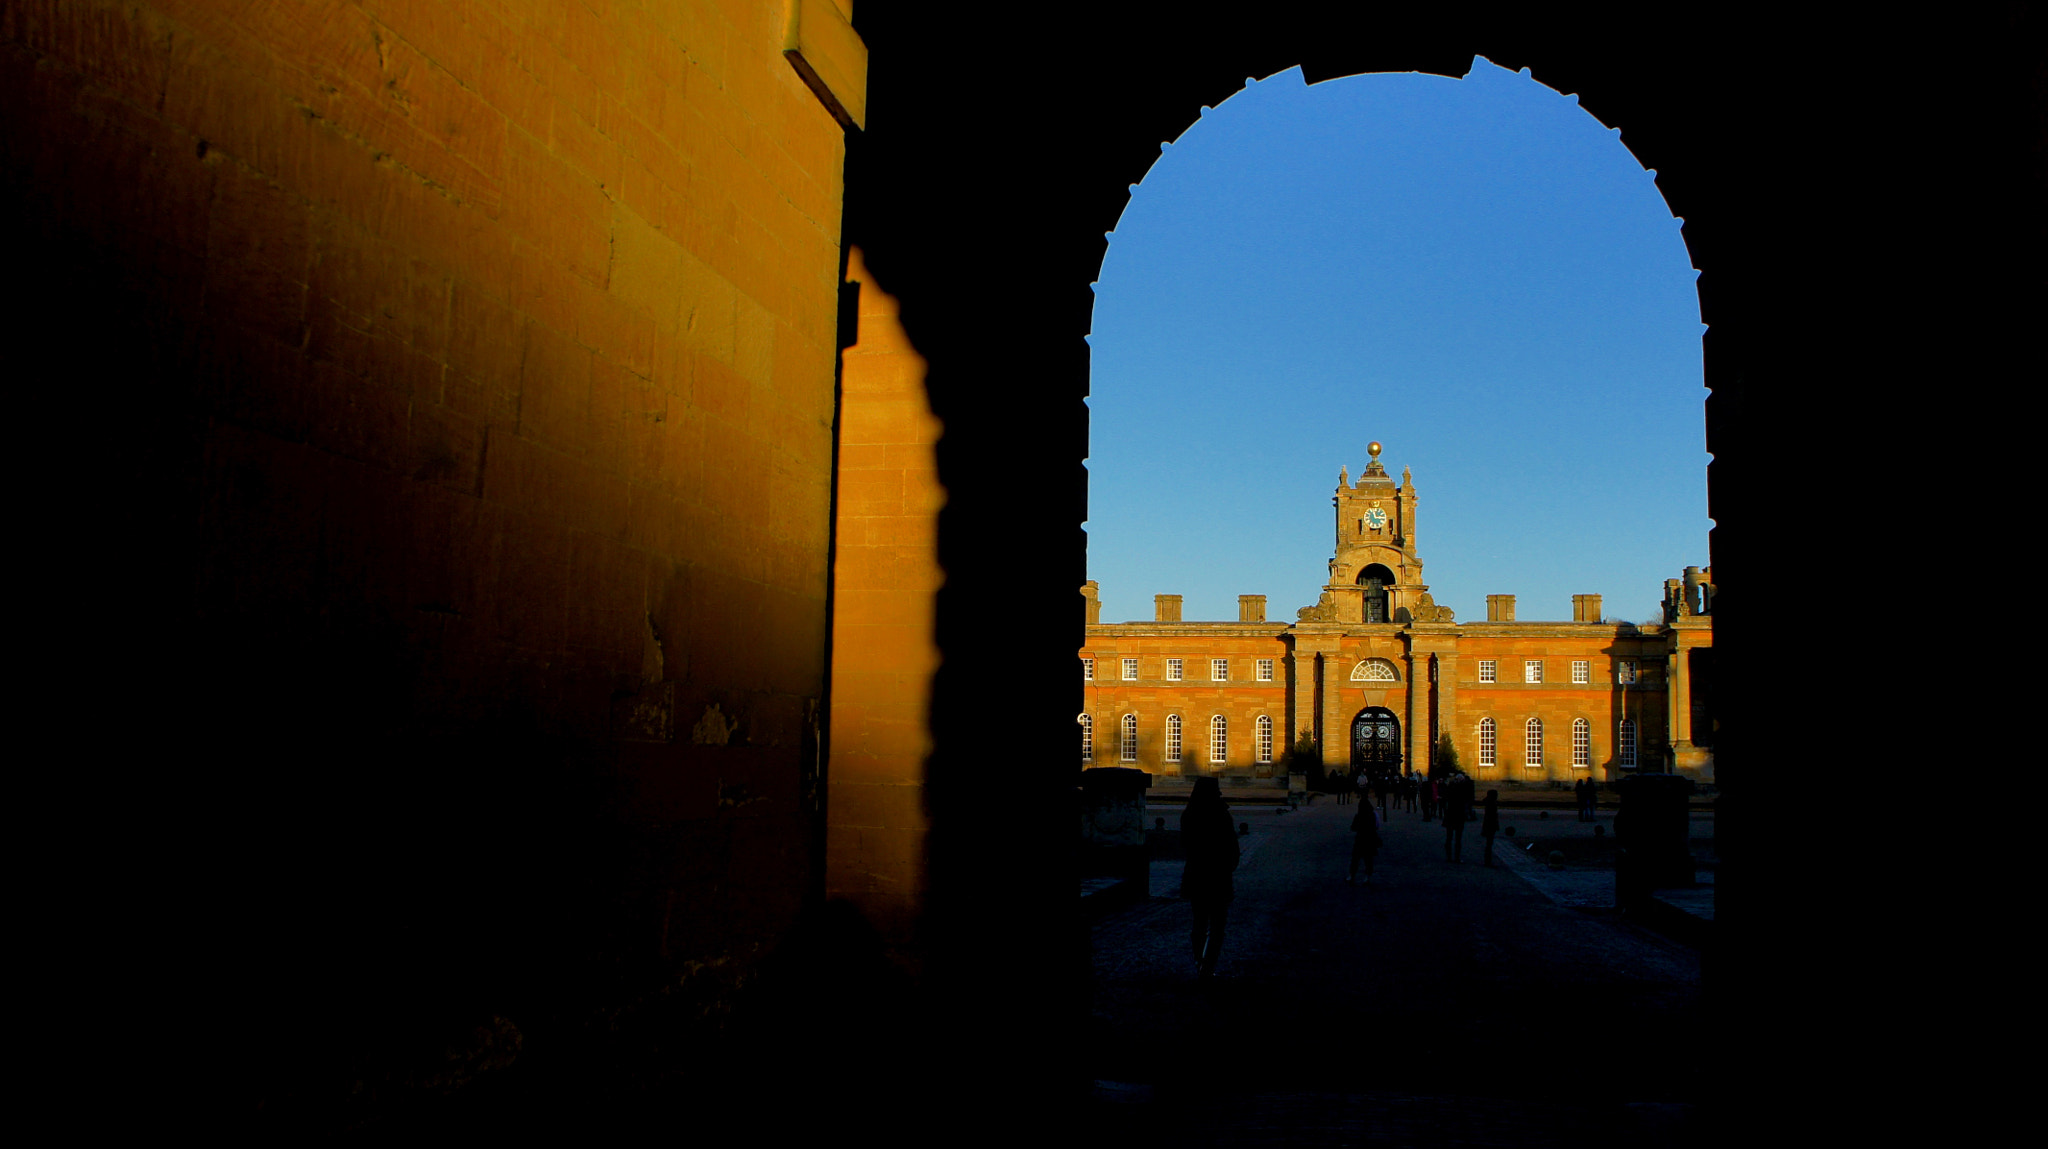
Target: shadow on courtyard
{"x": 1443, "y": 1003}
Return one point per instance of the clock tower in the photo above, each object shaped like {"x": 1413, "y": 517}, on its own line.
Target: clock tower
{"x": 1375, "y": 576}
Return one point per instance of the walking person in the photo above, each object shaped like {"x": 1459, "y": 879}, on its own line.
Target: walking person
{"x": 1457, "y": 811}
{"x": 1365, "y": 841}
{"x": 1428, "y": 788}
{"x": 1380, "y": 786}
{"x": 1211, "y": 844}
{"x": 1489, "y": 822}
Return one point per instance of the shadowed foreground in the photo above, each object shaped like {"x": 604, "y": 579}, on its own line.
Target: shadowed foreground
{"x": 1439, "y": 1004}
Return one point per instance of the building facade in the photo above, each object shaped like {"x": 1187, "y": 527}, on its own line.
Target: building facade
{"x": 1372, "y": 675}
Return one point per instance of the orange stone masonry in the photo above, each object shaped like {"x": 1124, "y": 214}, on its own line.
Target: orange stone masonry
{"x": 885, "y": 574}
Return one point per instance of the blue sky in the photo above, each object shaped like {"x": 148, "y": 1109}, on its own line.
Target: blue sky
{"x": 1476, "y": 272}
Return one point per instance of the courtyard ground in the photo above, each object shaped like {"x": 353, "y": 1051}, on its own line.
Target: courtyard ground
{"x": 1443, "y": 1003}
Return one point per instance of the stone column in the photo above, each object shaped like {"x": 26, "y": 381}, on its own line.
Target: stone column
{"x": 1678, "y": 699}
{"x": 1415, "y": 732}
{"x": 1301, "y": 693}
{"x": 1447, "y": 708}
{"x": 1336, "y": 720}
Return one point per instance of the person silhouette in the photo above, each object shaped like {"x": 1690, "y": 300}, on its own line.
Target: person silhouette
{"x": 1365, "y": 841}
{"x": 1457, "y": 811}
{"x": 1210, "y": 840}
{"x": 1489, "y": 822}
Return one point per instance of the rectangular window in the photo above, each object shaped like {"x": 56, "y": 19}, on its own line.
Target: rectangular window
{"x": 1219, "y": 670}
{"x": 1628, "y": 744}
{"x": 1219, "y": 740}
{"x": 1532, "y": 670}
{"x": 1087, "y": 670}
{"x": 1582, "y": 671}
{"x": 1173, "y": 739}
{"x": 1130, "y": 670}
{"x": 1487, "y": 748}
{"x": 1265, "y": 670}
{"x": 1087, "y": 738}
{"x": 1128, "y": 731}
{"x": 1265, "y": 739}
{"x": 1625, "y": 672}
{"x": 1582, "y": 743}
{"x": 1173, "y": 670}
{"x": 1488, "y": 671}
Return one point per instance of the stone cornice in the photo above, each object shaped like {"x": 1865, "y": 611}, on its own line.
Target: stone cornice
{"x": 1187, "y": 629}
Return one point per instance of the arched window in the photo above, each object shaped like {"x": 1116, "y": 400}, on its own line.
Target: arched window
{"x": 1375, "y": 579}
{"x": 1219, "y": 739}
{"x": 1087, "y": 738}
{"x": 1130, "y": 746}
{"x": 1487, "y": 745}
{"x": 1374, "y": 670}
{"x": 1532, "y": 744}
{"x": 1173, "y": 738}
{"x": 1264, "y": 730}
{"x": 1582, "y": 743}
{"x": 1627, "y": 740}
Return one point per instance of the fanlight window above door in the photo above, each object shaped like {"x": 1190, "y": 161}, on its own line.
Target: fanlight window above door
{"x": 1374, "y": 670}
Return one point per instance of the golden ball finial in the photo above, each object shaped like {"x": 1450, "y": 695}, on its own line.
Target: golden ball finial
{"x": 1373, "y": 449}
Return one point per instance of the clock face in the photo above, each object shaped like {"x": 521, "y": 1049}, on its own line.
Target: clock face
{"x": 1376, "y": 518}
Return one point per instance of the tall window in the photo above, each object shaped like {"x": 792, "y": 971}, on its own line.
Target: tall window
{"x": 1532, "y": 744}
{"x": 1582, "y": 671}
{"x": 1219, "y": 739}
{"x": 1219, "y": 670}
{"x": 1489, "y": 670}
{"x": 1087, "y": 738}
{"x": 1625, "y": 672}
{"x": 1532, "y": 670}
{"x": 1582, "y": 743}
{"x": 1130, "y": 670}
{"x": 1130, "y": 746}
{"x": 1265, "y": 738}
{"x": 1486, "y": 742}
{"x": 1628, "y": 743}
{"x": 1265, "y": 670}
{"x": 1173, "y": 738}
{"x": 1173, "y": 670}
{"x": 1087, "y": 670}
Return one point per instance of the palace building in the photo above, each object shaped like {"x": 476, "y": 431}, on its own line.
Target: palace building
{"x": 1375, "y": 672}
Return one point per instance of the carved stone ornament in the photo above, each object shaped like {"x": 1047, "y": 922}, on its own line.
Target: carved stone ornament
{"x": 1323, "y": 611}
{"x": 1426, "y": 610}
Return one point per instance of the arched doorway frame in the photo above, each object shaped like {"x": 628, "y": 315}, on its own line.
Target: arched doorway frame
{"x": 969, "y": 141}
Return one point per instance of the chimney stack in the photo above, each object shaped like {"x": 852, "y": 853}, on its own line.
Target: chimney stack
{"x": 1585, "y": 608}
{"x": 1091, "y": 600}
{"x": 1251, "y": 608}
{"x": 1166, "y": 608}
{"x": 1500, "y": 608}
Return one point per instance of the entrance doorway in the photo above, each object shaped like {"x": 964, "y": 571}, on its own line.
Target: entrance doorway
{"x": 1376, "y": 744}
